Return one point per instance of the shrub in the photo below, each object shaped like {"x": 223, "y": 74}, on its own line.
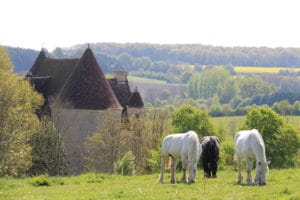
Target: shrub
{"x": 153, "y": 163}
{"x": 188, "y": 117}
{"x": 126, "y": 165}
{"x": 42, "y": 180}
{"x": 226, "y": 154}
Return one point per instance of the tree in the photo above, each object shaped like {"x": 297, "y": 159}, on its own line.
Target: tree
{"x": 281, "y": 140}
{"x": 283, "y": 107}
{"x": 48, "y": 155}
{"x": 205, "y": 84}
{"x": 187, "y": 118}
{"x": 102, "y": 148}
{"x": 143, "y": 136}
{"x": 228, "y": 90}
{"x": 18, "y": 121}
{"x": 58, "y": 52}
{"x": 252, "y": 86}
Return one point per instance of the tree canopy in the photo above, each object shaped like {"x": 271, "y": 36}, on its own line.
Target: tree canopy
{"x": 18, "y": 104}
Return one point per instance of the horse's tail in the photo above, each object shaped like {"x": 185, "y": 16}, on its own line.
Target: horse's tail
{"x": 168, "y": 162}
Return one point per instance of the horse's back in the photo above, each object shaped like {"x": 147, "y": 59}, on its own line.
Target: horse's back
{"x": 210, "y": 148}
{"x": 247, "y": 141}
{"x": 175, "y": 144}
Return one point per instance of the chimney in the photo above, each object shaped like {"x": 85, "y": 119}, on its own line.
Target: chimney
{"x": 121, "y": 76}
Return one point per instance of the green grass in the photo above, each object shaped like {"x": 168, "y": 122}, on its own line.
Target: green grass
{"x": 282, "y": 184}
{"x": 230, "y": 125}
{"x": 145, "y": 80}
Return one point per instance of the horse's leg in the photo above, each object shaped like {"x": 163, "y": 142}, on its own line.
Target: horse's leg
{"x": 184, "y": 167}
{"x": 173, "y": 170}
{"x": 249, "y": 165}
{"x": 192, "y": 166}
{"x": 209, "y": 169}
{"x": 240, "y": 176}
{"x": 205, "y": 169}
{"x": 162, "y": 169}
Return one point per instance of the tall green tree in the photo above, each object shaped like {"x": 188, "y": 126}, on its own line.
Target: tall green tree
{"x": 188, "y": 117}
{"x": 205, "y": 84}
{"x": 18, "y": 121}
{"x": 252, "y": 86}
{"x": 48, "y": 153}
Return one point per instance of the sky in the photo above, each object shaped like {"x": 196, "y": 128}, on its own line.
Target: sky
{"x": 37, "y": 24}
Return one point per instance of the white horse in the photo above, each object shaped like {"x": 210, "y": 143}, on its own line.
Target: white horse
{"x": 180, "y": 146}
{"x": 249, "y": 146}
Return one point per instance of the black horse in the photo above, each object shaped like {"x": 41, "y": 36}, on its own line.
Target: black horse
{"x": 210, "y": 155}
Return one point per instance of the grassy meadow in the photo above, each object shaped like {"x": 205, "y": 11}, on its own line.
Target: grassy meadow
{"x": 281, "y": 184}
{"x": 230, "y": 125}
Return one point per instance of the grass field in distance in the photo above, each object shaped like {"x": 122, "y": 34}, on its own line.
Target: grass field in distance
{"x": 273, "y": 70}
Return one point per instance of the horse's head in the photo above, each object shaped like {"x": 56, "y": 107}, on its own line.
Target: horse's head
{"x": 262, "y": 170}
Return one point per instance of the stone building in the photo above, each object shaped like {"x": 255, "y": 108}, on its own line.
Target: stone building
{"x": 78, "y": 96}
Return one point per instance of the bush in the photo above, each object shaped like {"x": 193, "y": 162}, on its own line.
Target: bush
{"x": 226, "y": 154}
{"x": 153, "y": 163}
{"x": 42, "y": 180}
{"x": 188, "y": 117}
{"x": 126, "y": 165}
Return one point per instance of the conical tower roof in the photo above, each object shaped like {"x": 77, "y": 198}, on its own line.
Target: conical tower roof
{"x": 36, "y": 64}
{"x": 87, "y": 87}
{"x": 135, "y": 100}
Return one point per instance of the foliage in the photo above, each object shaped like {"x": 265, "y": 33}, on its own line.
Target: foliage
{"x": 154, "y": 161}
{"x": 102, "y": 148}
{"x": 226, "y": 153}
{"x": 188, "y": 117}
{"x": 18, "y": 121}
{"x": 281, "y": 140}
{"x": 205, "y": 84}
{"x": 143, "y": 134}
{"x": 48, "y": 155}
{"x": 252, "y": 86}
{"x": 125, "y": 166}
{"x": 41, "y": 180}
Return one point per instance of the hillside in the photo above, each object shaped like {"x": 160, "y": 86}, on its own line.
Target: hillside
{"x": 160, "y": 59}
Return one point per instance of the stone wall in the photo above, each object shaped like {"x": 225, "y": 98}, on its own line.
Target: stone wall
{"x": 75, "y": 126}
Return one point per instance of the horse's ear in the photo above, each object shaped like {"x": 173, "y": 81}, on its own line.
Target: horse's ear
{"x": 268, "y": 162}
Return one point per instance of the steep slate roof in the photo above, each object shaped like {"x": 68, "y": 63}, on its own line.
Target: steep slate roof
{"x": 56, "y": 70}
{"x": 135, "y": 100}
{"x": 79, "y": 82}
{"x": 88, "y": 87}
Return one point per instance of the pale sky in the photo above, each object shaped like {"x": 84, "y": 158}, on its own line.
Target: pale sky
{"x": 63, "y": 23}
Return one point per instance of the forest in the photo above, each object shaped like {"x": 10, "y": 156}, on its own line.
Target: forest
{"x": 200, "y": 75}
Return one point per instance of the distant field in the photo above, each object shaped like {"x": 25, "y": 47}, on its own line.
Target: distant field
{"x": 145, "y": 80}
{"x": 273, "y": 70}
{"x": 281, "y": 184}
{"x": 230, "y": 125}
